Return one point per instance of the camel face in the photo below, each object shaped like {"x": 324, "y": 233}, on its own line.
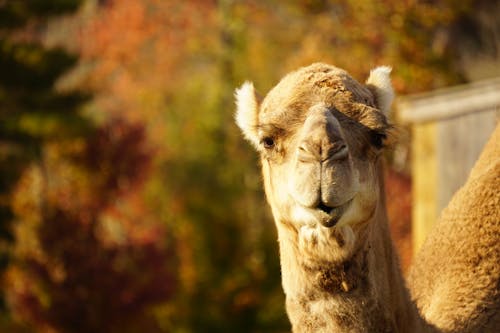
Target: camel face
{"x": 322, "y": 181}
{"x": 319, "y": 135}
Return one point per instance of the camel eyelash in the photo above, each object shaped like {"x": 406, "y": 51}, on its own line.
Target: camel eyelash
{"x": 268, "y": 142}
{"x": 377, "y": 139}
{"x": 269, "y": 133}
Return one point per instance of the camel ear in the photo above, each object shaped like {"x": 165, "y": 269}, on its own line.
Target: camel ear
{"x": 379, "y": 82}
{"x": 247, "y": 112}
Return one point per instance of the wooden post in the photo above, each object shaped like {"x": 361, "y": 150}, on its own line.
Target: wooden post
{"x": 424, "y": 171}
{"x": 449, "y": 129}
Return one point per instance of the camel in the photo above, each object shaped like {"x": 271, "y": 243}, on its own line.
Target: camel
{"x": 455, "y": 278}
{"x": 320, "y": 134}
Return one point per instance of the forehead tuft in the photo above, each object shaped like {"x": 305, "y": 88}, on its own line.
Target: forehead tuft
{"x": 318, "y": 83}
{"x": 304, "y": 83}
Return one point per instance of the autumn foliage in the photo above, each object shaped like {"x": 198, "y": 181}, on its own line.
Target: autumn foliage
{"x": 99, "y": 256}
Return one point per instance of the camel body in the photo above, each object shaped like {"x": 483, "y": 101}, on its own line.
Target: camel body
{"x": 455, "y": 278}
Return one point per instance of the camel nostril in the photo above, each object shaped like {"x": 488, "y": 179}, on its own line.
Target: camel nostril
{"x": 308, "y": 152}
{"x": 337, "y": 152}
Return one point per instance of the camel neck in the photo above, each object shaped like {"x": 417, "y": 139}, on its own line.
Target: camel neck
{"x": 364, "y": 292}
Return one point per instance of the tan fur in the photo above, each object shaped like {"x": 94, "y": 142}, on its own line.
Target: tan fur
{"x": 455, "y": 279}
{"x": 318, "y": 134}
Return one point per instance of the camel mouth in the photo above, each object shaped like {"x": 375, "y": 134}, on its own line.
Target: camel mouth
{"x": 331, "y": 215}
{"x": 323, "y": 207}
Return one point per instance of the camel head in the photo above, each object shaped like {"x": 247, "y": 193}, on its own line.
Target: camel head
{"x": 319, "y": 134}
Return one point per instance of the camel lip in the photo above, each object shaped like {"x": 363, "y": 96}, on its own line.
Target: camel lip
{"x": 325, "y": 216}
{"x": 332, "y": 215}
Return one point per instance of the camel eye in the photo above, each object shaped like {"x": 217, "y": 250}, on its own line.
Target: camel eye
{"x": 377, "y": 139}
{"x": 268, "y": 142}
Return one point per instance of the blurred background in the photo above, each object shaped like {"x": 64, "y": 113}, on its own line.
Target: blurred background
{"x": 129, "y": 201}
